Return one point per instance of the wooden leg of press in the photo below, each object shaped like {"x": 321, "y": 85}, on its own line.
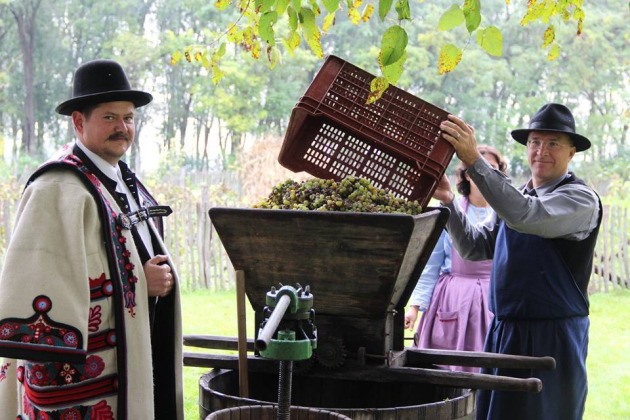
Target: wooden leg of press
{"x": 243, "y": 380}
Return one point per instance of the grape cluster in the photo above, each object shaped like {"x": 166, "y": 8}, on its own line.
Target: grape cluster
{"x": 352, "y": 194}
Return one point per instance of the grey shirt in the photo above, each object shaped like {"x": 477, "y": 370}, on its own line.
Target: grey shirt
{"x": 569, "y": 212}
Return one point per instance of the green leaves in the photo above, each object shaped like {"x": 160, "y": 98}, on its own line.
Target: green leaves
{"x": 472, "y": 13}
{"x": 393, "y": 46}
{"x": 265, "y": 27}
{"x": 384, "y": 6}
{"x": 293, "y": 18}
{"x": 331, "y": 5}
{"x": 491, "y": 40}
{"x": 393, "y": 71}
{"x": 402, "y": 7}
{"x": 391, "y": 60}
{"x": 453, "y": 17}
{"x": 260, "y": 21}
{"x": 311, "y": 31}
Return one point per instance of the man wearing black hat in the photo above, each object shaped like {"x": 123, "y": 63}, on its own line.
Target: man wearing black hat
{"x": 542, "y": 240}
{"x": 89, "y": 301}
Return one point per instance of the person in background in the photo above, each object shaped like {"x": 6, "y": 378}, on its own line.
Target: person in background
{"x": 458, "y": 316}
{"x": 542, "y": 238}
{"x": 90, "y": 318}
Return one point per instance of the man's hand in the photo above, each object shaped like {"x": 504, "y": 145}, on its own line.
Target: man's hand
{"x": 410, "y": 317}
{"x": 159, "y": 277}
{"x": 443, "y": 192}
{"x": 462, "y": 137}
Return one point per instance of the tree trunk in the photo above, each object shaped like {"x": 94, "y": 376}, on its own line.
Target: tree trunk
{"x": 183, "y": 122}
{"x": 25, "y": 15}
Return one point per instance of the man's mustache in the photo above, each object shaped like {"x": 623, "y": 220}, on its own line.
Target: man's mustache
{"x": 118, "y": 136}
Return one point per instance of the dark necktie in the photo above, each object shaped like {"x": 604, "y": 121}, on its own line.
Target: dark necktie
{"x": 531, "y": 192}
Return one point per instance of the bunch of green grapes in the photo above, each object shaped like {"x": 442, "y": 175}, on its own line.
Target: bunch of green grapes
{"x": 351, "y": 194}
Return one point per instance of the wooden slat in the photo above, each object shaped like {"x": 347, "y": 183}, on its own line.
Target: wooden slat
{"x": 380, "y": 374}
{"x": 215, "y": 342}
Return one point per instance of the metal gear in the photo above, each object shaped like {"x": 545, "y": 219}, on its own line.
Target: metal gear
{"x": 301, "y": 367}
{"x": 331, "y": 353}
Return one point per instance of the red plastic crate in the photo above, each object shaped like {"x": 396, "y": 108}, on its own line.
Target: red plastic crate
{"x": 395, "y": 142}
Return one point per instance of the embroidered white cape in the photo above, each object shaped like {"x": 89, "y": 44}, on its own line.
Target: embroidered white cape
{"x": 81, "y": 335}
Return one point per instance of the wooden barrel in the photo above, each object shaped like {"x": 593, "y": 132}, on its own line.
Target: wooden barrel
{"x": 269, "y": 412}
{"x": 358, "y": 400}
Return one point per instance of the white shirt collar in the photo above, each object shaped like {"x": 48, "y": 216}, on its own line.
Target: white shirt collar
{"x": 545, "y": 188}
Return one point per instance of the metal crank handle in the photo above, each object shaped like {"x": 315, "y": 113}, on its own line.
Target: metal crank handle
{"x": 272, "y": 323}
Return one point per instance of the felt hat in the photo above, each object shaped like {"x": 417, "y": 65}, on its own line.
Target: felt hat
{"x": 101, "y": 81}
{"x": 555, "y": 118}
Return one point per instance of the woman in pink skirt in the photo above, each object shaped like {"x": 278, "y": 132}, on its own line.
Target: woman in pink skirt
{"x": 457, "y": 317}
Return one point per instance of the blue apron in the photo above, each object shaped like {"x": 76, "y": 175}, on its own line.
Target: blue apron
{"x": 539, "y": 311}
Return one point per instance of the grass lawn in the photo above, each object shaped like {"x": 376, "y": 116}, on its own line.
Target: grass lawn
{"x": 608, "y": 360}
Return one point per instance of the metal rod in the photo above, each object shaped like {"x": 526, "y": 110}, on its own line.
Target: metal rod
{"x": 272, "y": 323}
{"x": 285, "y": 379}
{"x": 243, "y": 380}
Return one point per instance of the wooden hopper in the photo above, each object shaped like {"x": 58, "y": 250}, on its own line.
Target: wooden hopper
{"x": 361, "y": 267}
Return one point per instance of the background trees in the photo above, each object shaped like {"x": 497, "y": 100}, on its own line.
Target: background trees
{"x": 206, "y": 124}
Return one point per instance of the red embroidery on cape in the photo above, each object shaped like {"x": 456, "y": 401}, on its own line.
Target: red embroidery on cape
{"x": 39, "y": 375}
{"x": 94, "y": 366}
{"x": 101, "y": 287}
{"x": 125, "y": 267}
{"x": 102, "y": 411}
{"x": 95, "y": 318}
{"x": 53, "y": 397}
{"x": 40, "y": 329}
{"x": 3, "y": 371}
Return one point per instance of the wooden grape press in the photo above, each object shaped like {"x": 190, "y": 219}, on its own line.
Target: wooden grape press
{"x": 361, "y": 269}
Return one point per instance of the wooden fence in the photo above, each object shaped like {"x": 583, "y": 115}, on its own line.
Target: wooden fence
{"x": 610, "y": 268}
{"x": 203, "y": 264}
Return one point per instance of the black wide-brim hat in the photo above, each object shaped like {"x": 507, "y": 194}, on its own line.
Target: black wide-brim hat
{"x": 555, "y": 118}
{"x": 100, "y": 81}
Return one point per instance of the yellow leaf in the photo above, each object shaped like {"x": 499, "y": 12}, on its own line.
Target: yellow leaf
{"x": 450, "y": 56}
{"x": 217, "y": 74}
{"x": 554, "y": 52}
{"x": 354, "y": 15}
{"x": 187, "y": 53}
{"x": 176, "y": 57}
{"x": 222, "y": 4}
{"x": 367, "y": 12}
{"x": 550, "y": 36}
{"x": 378, "y": 86}
{"x": 329, "y": 21}
{"x": 234, "y": 35}
{"x": 256, "y": 49}
{"x": 294, "y": 40}
{"x": 273, "y": 56}
{"x": 315, "y": 44}
{"x": 357, "y": 3}
{"x": 580, "y": 23}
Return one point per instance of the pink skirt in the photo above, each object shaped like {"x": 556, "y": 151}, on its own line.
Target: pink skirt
{"x": 458, "y": 317}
